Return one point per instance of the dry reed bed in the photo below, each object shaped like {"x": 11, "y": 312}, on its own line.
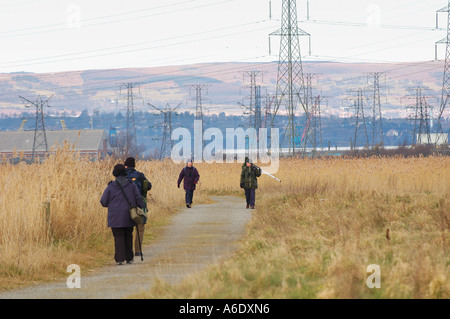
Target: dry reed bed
{"x": 35, "y": 247}
{"x": 313, "y": 235}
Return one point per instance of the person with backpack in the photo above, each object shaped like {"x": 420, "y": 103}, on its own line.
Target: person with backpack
{"x": 249, "y": 182}
{"x": 191, "y": 176}
{"x": 119, "y": 219}
{"x": 144, "y": 186}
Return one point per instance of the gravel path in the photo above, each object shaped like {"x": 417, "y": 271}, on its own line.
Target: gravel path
{"x": 193, "y": 239}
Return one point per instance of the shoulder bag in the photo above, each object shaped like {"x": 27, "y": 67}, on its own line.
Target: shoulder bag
{"x": 137, "y": 214}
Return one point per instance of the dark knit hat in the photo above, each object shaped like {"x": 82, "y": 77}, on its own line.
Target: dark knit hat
{"x": 130, "y": 162}
{"x": 119, "y": 170}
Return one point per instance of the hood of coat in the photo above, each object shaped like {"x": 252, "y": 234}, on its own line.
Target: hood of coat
{"x": 123, "y": 180}
{"x": 129, "y": 169}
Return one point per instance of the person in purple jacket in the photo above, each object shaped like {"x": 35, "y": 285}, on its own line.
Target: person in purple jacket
{"x": 119, "y": 219}
{"x": 191, "y": 177}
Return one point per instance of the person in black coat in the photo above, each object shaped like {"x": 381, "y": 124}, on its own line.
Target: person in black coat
{"x": 144, "y": 187}
{"x": 119, "y": 219}
{"x": 249, "y": 181}
{"x": 191, "y": 177}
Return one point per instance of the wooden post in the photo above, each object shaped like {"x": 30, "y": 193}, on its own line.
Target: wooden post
{"x": 47, "y": 219}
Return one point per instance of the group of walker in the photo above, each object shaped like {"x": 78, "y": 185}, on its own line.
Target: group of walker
{"x": 131, "y": 187}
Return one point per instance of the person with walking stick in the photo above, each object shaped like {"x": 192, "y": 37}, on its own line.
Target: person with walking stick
{"x": 117, "y": 197}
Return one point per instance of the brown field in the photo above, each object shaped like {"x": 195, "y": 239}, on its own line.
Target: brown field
{"x": 311, "y": 236}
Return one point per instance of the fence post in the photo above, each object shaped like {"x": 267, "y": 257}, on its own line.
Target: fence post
{"x": 47, "y": 219}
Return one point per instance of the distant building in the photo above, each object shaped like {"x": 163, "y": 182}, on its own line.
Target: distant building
{"x": 432, "y": 138}
{"x": 91, "y": 143}
{"x": 392, "y": 133}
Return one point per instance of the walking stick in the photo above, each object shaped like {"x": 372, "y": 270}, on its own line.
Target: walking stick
{"x": 139, "y": 240}
{"x": 139, "y": 236}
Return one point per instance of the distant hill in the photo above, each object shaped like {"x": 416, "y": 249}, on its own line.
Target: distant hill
{"x": 99, "y": 90}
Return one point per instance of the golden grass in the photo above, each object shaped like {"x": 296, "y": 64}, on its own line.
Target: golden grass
{"x": 312, "y": 236}
{"x": 34, "y": 248}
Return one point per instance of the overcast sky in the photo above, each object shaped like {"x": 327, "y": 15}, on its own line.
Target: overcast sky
{"x": 64, "y": 35}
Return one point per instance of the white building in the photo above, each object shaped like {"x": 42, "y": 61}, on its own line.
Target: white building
{"x": 91, "y": 143}
{"x": 432, "y": 138}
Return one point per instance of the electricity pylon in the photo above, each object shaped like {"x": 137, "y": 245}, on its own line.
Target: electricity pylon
{"x": 198, "y": 100}
{"x": 268, "y": 110}
{"x": 131, "y": 138}
{"x": 445, "y": 95}
{"x": 377, "y": 118}
{"x": 315, "y": 124}
{"x": 290, "y": 83}
{"x": 40, "y": 137}
{"x": 360, "y": 119}
{"x": 254, "y": 107}
{"x": 199, "y": 88}
{"x": 420, "y": 117}
{"x": 308, "y": 131}
{"x": 166, "y": 138}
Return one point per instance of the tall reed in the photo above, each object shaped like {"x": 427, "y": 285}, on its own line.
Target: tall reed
{"x": 312, "y": 235}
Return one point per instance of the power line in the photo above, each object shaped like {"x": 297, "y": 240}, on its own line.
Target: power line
{"x": 392, "y": 26}
{"x": 153, "y": 47}
{"x": 365, "y": 25}
{"x": 184, "y": 36}
{"x": 63, "y": 26}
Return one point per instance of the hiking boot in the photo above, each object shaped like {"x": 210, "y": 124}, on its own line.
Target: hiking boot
{"x": 119, "y": 263}
{"x": 252, "y": 207}
{"x": 130, "y": 262}
{"x": 188, "y": 205}
{"x": 247, "y": 206}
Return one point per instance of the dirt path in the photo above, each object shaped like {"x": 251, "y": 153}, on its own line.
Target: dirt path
{"x": 194, "y": 238}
